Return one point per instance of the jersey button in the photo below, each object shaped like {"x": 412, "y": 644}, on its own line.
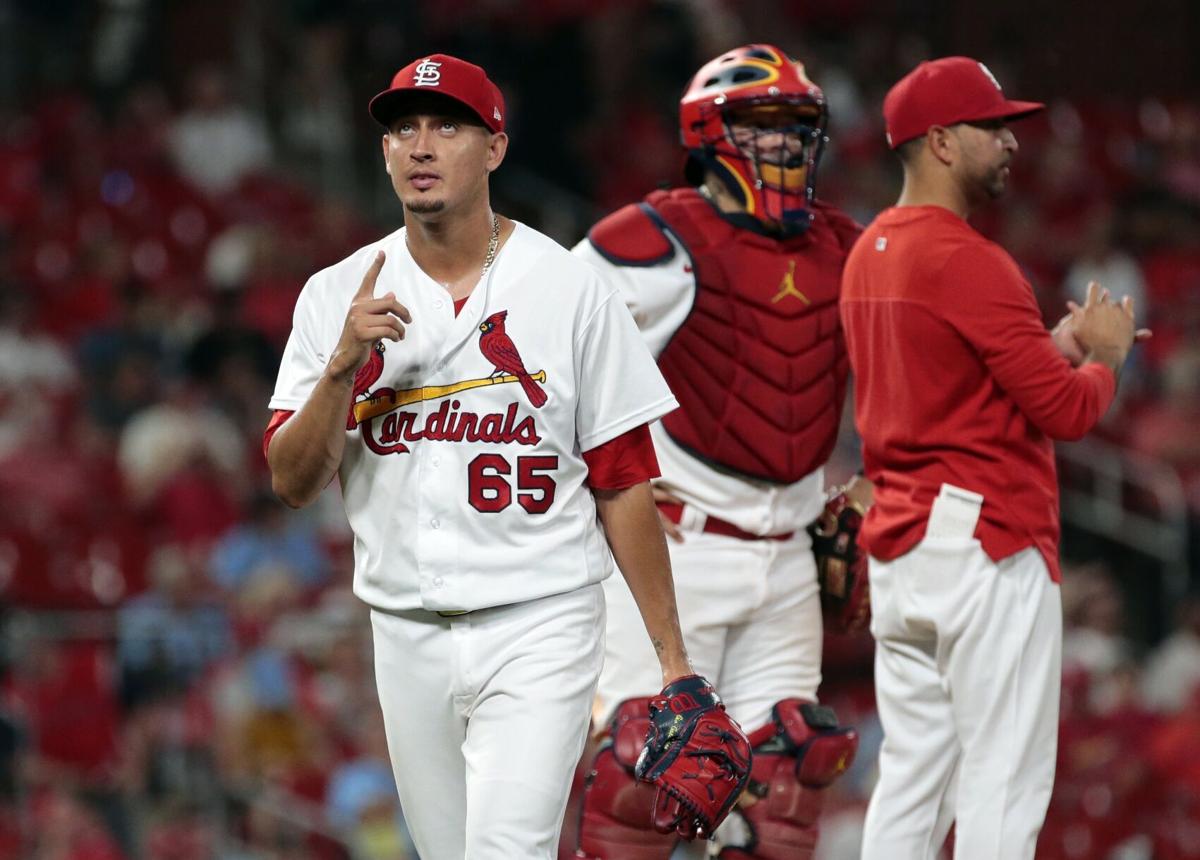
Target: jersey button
{"x": 435, "y": 462}
{"x": 435, "y": 523}
{"x": 437, "y": 303}
{"x": 438, "y": 581}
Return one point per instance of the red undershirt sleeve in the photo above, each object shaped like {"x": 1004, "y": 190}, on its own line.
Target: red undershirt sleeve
{"x": 277, "y": 419}
{"x": 622, "y": 462}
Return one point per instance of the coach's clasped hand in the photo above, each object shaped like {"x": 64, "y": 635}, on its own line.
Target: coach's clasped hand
{"x": 1105, "y": 330}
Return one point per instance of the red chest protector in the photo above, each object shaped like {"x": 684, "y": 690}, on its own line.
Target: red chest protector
{"x": 759, "y": 366}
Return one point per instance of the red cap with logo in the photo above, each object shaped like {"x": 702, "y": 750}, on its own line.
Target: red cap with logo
{"x": 464, "y": 82}
{"x": 945, "y": 92}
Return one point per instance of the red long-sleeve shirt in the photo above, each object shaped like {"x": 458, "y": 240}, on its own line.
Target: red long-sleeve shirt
{"x": 957, "y": 381}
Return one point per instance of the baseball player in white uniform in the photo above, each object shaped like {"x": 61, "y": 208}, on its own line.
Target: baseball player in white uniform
{"x": 483, "y": 397}
{"x": 733, "y": 283}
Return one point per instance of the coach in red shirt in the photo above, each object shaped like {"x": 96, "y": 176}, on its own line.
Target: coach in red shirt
{"x": 959, "y": 391}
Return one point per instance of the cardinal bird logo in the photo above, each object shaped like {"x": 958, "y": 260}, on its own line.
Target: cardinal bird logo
{"x": 497, "y": 347}
{"x": 366, "y": 376}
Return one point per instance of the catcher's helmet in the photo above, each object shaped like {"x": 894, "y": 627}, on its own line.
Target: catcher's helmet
{"x": 756, "y": 79}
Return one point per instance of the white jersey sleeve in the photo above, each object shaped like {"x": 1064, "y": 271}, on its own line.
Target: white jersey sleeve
{"x": 619, "y": 385}
{"x": 316, "y": 327}
{"x": 659, "y": 296}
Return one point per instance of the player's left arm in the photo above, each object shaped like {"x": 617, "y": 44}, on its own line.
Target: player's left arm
{"x": 621, "y": 392}
{"x": 636, "y": 538}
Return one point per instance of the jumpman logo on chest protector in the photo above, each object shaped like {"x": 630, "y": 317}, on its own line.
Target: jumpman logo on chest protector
{"x": 787, "y": 287}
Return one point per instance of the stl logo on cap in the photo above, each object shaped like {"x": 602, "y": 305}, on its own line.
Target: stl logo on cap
{"x": 991, "y": 77}
{"x": 426, "y": 74}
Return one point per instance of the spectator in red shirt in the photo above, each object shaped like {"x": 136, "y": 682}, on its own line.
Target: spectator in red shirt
{"x": 959, "y": 391}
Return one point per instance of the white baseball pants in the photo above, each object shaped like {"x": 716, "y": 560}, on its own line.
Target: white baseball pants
{"x": 751, "y": 618}
{"x": 486, "y": 717}
{"x": 967, "y": 675}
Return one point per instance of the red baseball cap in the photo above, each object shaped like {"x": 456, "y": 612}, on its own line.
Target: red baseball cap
{"x": 945, "y": 92}
{"x": 464, "y": 82}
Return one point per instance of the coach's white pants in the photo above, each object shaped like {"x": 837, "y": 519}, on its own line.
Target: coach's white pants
{"x": 486, "y": 716}
{"x": 967, "y": 675}
{"x": 751, "y": 619}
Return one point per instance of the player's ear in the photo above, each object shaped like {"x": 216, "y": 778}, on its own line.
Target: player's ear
{"x": 942, "y": 143}
{"x": 386, "y": 143}
{"x": 497, "y": 147}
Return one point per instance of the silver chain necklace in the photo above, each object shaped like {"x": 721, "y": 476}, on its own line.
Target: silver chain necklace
{"x": 493, "y": 246}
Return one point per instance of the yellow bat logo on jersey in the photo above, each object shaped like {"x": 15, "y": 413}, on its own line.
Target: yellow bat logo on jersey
{"x": 386, "y": 400}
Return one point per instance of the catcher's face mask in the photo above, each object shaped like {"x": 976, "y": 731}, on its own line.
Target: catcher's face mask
{"x": 778, "y": 147}
{"x": 754, "y": 119}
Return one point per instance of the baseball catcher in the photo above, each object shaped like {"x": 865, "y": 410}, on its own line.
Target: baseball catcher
{"x": 734, "y": 281}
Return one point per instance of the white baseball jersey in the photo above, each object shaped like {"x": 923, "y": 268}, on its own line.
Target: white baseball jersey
{"x": 461, "y": 491}
{"x": 660, "y": 298}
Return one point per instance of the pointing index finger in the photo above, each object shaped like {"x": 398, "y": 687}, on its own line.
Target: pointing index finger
{"x": 367, "y": 288}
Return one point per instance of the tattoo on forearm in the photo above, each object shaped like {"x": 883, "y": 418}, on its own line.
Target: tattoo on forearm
{"x": 658, "y": 644}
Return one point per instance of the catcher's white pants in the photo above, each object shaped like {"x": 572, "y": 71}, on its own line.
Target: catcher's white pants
{"x": 486, "y": 717}
{"x": 751, "y": 619}
{"x": 967, "y": 675}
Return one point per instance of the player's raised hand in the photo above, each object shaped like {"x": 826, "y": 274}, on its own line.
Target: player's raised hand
{"x": 369, "y": 319}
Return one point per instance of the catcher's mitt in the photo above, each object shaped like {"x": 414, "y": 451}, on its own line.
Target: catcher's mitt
{"x": 841, "y": 566}
{"x": 696, "y": 755}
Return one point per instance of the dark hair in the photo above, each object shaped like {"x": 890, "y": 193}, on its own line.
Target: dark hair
{"x": 907, "y": 151}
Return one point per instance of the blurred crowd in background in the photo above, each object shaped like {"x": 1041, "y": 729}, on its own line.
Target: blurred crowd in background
{"x": 184, "y": 672}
